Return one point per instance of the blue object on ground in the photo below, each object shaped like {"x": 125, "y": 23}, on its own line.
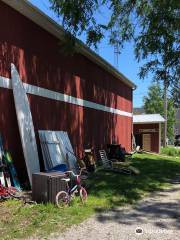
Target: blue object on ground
{"x": 60, "y": 167}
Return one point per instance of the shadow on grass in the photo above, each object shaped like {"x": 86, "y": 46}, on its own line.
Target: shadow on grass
{"x": 119, "y": 189}
{"x": 162, "y": 214}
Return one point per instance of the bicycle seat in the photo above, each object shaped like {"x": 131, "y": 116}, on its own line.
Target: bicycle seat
{"x": 66, "y": 179}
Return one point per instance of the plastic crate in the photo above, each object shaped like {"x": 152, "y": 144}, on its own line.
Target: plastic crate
{"x": 45, "y": 186}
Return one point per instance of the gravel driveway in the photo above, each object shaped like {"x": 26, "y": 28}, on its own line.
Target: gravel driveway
{"x": 156, "y": 217}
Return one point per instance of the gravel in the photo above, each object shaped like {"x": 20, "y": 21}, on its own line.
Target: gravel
{"x": 156, "y": 217}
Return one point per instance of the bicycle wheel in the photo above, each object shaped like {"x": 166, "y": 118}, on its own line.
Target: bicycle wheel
{"x": 83, "y": 194}
{"x": 14, "y": 192}
{"x": 127, "y": 171}
{"x": 62, "y": 199}
{"x": 5, "y": 196}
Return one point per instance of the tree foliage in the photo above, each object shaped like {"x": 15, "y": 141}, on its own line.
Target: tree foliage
{"x": 153, "y": 26}
{"x": 153, "y": 103}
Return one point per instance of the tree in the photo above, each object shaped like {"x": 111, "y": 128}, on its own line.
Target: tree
{"x": 153, "y": 26}
{"x": 175, "y": 93}
{"x": 153, "y": 103}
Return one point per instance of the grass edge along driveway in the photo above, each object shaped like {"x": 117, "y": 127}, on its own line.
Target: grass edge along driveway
{"x": 106, "y": 190}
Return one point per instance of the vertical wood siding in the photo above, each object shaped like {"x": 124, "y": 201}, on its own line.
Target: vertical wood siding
{"x": 38, "y": 58}
{"x": 154, "y": 136}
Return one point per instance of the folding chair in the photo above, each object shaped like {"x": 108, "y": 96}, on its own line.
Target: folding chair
{"x": 114, "y": 166}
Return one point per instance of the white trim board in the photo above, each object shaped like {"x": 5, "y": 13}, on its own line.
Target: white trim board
{"x": 43, "y": 92}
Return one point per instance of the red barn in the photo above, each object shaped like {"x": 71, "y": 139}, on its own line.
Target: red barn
{"x": 147, "y": 131}
{"x": 88, "y": 98}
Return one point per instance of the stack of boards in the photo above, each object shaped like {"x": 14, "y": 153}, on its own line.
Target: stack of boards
{"x": 57, "y": 149}
{"x": 2, "y": 177}
{"x": 8, "y": 174}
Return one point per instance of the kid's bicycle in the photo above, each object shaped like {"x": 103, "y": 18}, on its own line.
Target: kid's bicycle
{"x": 63, "y": 198}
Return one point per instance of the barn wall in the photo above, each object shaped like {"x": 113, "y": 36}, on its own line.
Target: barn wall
{"x": 154, "y": 135}
{"x": 38, "y": 58}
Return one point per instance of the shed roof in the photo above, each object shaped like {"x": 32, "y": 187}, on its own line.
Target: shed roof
{"x": 148, "y": 118}
{"x": 47, "y": 23}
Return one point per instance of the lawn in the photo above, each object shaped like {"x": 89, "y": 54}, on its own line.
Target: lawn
{"x": 106, "y": 190}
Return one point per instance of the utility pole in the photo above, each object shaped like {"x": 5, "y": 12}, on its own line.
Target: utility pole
{"x": 165, "y": 113}
{"x": 116, "y": 55}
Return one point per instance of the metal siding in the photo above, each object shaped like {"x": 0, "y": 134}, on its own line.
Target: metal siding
{"x": 148, "y": 118}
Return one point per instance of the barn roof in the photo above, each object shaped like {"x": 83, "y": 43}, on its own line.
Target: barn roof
{"x": 148, "y": 118}
{"x": 41, "y": 19}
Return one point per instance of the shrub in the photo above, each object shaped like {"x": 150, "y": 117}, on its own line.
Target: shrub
{"x": 171, "y": 151}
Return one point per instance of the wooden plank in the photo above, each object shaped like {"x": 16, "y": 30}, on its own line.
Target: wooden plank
{"x": 25, "y": 123}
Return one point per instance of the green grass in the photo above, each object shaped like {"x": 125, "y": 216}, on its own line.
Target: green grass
{"x": 106, "y": 190}
{"x": 171, "y": 151}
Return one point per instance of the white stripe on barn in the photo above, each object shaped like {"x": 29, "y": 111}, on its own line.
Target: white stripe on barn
{"x": 43, "y": 92}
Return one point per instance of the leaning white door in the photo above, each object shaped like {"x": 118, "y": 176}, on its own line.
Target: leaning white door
{"x": 147, "y": 142}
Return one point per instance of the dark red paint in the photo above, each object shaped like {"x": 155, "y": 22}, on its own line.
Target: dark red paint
{"x": 38, "y": 58}
{"x": 154, "y": 136}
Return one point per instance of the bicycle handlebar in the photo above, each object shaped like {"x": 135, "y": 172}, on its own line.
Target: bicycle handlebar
{"x": 76, "y": 175}
{"x": 71, "y": 172}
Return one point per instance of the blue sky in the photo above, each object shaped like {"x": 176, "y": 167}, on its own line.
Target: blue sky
{"x": 127, "y": 63}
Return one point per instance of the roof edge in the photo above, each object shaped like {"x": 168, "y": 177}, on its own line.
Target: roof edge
{"x": 40, "y": 18}
{"x": 148, "y": 122}
{"x": 144, "y": 120}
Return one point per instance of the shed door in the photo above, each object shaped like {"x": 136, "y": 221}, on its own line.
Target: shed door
{"x": 147, "y": 142}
